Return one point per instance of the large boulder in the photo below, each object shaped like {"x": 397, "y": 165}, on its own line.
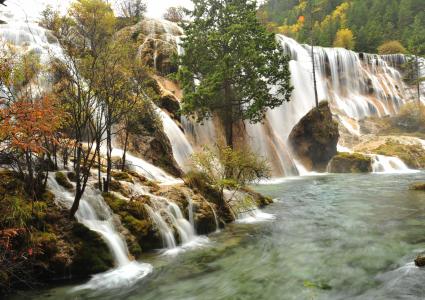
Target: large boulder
{"x": 350, "y": 163}
{"x": 314, "y": 139}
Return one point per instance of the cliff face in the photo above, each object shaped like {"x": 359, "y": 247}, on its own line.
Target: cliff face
{"x": 314, "y": 139}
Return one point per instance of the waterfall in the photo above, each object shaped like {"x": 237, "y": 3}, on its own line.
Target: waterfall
{"x": 94, "y": 213}
{"x": 167, "y": 216}
{"x": 165, "y": 231}
{"x": 387, "y": 164}
{"x": 217, "y": 227}
{"x": 182, "y": 150}
{"x": 190, "y": 210}
{"x": 357, "y": 85}
{"x": 146, "y": 169}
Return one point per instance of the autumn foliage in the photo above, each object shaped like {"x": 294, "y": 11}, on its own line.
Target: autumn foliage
{"x": 30, "y": 125}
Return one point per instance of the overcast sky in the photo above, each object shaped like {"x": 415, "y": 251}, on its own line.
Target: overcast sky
{"x": 31, "y": 8}
{"x": 156, "y": 8}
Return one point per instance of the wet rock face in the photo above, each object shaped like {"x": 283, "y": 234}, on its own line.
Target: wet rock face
{"x": 157, "y": 44}
{"x": 203, "y": 215}
{"x": 350, "y": 163}
{"x": 314, "y": 139}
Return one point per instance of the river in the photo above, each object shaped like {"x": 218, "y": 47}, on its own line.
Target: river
{"x": 334, "y": 237}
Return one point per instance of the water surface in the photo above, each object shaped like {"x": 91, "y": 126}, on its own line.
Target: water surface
{"x": 334, "y": 237}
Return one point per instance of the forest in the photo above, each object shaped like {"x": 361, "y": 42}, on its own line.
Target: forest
{"x": 368, "y": 23}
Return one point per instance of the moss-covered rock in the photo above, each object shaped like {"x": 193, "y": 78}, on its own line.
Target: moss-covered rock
{"x": 121, "y": 176}
{"x": 419, "y": 186}
{"x": 350, "y": 163}
{"x": 413, "y": 155}
{"x": 259, "y": 199}
{"x": 47, "y": 245}
{"x": 315, "y": 137}
{"x": 134, "y": 217}
{"x": 92, "y": 254}
{"x": 62, "y": 179}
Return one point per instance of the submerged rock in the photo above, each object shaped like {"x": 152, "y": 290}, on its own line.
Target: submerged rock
{"x": 314, "y": 139}
{"x": 350, "y": 163}
{"x": 419, "y": 186}
{"x": 420, "y": 260}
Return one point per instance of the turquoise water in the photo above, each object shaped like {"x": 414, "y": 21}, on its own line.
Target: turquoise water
{"x": 334, "y": 237}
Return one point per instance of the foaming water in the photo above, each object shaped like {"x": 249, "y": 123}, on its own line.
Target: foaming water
{"x": 254, "y": 216}
{"x": 119, "y": 278}
{"x": 386, "y": 165}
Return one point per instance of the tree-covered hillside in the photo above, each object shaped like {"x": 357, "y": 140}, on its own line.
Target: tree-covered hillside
{"x": 372, "y": 22}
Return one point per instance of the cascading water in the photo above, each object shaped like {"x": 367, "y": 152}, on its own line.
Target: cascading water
{"x": 166, "y": 215}
{"x": 146, "y": 169}
{"x": 357, "y": 85}
{"x": 182, "y": 150}
{"x": 96, "y": 215}
{"x": 386, "y": 164}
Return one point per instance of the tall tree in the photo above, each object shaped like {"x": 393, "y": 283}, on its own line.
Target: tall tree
{"x": 416, "y": 46}
{"x": 84, "y": 36}
{"x": 230, "y": 64}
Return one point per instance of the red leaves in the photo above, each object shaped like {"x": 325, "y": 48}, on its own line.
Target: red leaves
{"x": 28, "y": 125}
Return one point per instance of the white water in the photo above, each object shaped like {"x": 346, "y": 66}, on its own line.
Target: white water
{"x": 167, "y": 215}
{"x": 182, "y": 150}
{"x": 356, "y": 85}
{"x": 146, "y": 169}
{"x": 96, "y": 215}
{"x": 387, "y": 164}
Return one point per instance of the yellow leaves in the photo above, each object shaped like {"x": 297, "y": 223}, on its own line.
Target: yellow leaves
{"x": 344, "y": 39}
{"x": 391, "y": 47}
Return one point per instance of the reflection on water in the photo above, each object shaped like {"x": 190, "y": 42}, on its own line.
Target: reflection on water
{"x": 333, "y": 237}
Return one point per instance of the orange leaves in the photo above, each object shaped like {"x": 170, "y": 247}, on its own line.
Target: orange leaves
{"x": 301, "y": 19}
{"x": 29, "y": 125}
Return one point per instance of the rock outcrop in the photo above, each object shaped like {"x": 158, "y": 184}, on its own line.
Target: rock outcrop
{"x": 314, "y": 139}
{"x": 350, "y": 163}
{"x": 148, "y": 140}
{"x": 409, "y": 149}
{"x": 156, "y": 41}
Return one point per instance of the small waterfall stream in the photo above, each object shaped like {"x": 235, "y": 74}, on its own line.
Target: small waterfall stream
{"x": 96, "y": 215}
{"x": 182, "y": 150}
{"x": 387, "y": 164}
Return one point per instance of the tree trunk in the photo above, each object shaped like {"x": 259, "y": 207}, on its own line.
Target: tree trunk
{"x": 228, "y": 116}
{"x": 99, "y": 173}
{"x": 418, "y": 83}
{"x": 78, "y": 193}
{"x": 108, "y": 158}
{"x": 76, "y": 204}
{"x": 125, "y": 149}
{"x": 316, "y": 97}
